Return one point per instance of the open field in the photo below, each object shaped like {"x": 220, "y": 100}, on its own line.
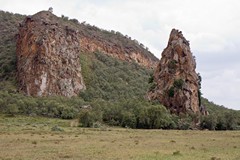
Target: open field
{"x": 30, "y": 138}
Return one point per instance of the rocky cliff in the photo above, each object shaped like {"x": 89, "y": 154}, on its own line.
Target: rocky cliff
{"x": 48, "y": 61}
{"x": 176, "y": 83}
{"x": 123, "y": 49}
{"x": 48, "y": 49}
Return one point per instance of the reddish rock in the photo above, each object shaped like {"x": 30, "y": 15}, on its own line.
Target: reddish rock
{"x": 175, "y": 78}
{"x": 118, "y": 51}
{"x": 48, "y": 61}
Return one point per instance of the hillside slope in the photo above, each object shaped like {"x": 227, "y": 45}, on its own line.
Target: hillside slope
{"x": 8, "y": 30}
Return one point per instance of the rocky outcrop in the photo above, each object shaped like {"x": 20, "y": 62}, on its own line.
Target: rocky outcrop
{"x": 122, "y": 52}
{"x": 48, "y": 61}
{"x": 176, "y": 83}
{"x": 115, "y": 44}
{"x": 48, "y": 49}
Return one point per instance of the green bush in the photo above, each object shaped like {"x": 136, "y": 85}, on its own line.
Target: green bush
{"x": 155, "y": 117}
{"x": 151, "y": 79}
{"x": 227, "y": 121}
{"x": 57, "y": 129}
{"x": 128, "y": 120}
{"x": 171, "y": 92}
{"x": 221, "y": 122}
{"x": 153, "y": 86}
{"x": 178, "y": 83}
{"x": 86, "y": 118}
{"x": 68, "y": 113}
{"x": 209, "y": 122}
{"x": 184, "y": 122}
{"x": 172, "y": 64}
{"x": 12, "y": 109}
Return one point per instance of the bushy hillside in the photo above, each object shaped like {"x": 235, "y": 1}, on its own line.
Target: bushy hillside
{"x": 8, "y": 29}
{"x": 212, "y": 107}
{"x": 111, "y": 79}
{"x": 220, "y": 118}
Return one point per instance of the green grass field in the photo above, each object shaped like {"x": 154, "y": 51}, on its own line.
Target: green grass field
{"x": 30, "y": 138}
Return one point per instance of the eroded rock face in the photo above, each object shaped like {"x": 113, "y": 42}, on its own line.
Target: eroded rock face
{"x": 48, "y": 61}
{"x": 48, "y": 50}
{"x": 118, "y": 51}
{"x": 175, "y": 78}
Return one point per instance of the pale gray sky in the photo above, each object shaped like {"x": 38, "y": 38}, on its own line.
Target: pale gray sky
{"x": 211, "y": 26}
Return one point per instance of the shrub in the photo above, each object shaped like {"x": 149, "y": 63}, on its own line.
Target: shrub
{"x": 178, "y": 83}
{"x": 68, "y": 113}
{"x": 232, "y": 120}
{"x": 171, "y": 92}
{"x": 12, "y": 109}
{"x": 112, "y": 114}
{"x": 209, "y": 122}
{"x": 57, "y": 128}
{"x": 184, "y": 122}
{"x": 128, "y": 120}
{"x": 176, "y": 153}
{"x": 221, "y": 123}
{"x": 155, "y": 117}
{"x": 86, "y": 118}
{"x": 153, "y": 86}
{"x": 151, "y": 79}
{"x": 172, "y": 64}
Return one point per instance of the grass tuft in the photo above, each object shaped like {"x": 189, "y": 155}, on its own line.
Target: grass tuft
{"x": 173, "y": 141}
{"x": 177, "y": 153}
{"x": 34, "y": 142}
{"x": 57, "y": 128}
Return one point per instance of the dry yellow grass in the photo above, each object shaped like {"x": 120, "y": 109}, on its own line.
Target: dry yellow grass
{"x": 30, "y": 138}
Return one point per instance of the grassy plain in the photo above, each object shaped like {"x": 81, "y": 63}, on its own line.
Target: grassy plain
{"x": 28, "y": 138}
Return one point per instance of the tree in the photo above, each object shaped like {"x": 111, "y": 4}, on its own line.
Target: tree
{"x": 209, "y": 122}
{"x": 128, "y": 120}
{"x": 155, "y": 117}
{"x": 231, "y": 119}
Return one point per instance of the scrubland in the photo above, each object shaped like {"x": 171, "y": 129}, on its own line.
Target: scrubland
{"x": 23, "y": 137}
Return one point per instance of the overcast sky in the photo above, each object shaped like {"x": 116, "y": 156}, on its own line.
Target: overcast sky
{"x": 211, "y": 26}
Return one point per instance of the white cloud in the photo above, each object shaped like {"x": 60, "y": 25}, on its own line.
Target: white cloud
{"x": 212, "y": 26}
{"x": 223, "y": 86}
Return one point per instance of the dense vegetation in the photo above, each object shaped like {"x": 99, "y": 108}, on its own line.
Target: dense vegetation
{"x": 8, "y": 30}
{"x": 114, "y": 96}
{"x": 113, "y": 80}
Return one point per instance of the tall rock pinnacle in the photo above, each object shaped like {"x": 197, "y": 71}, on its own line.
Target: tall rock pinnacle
{"x": 48, "y": 61}
{"x": 175, "y": 78}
